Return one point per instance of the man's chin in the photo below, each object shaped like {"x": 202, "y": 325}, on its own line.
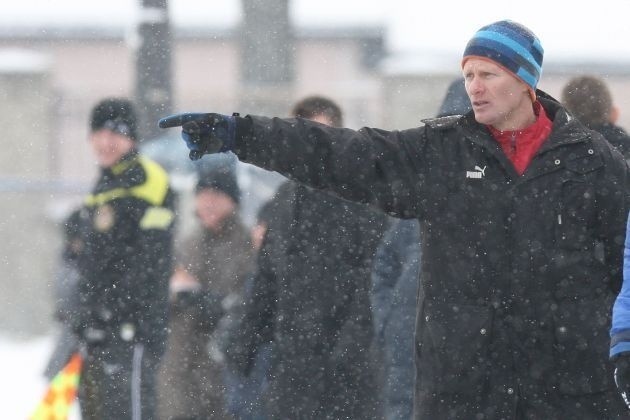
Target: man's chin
{"x": 484, "y": 118}
{"x": 480, "y": 118}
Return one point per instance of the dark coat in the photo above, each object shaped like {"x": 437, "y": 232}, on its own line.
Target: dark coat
{"x": 616, "y": 136}
{"x": 311, "y": 297}
{"x": 518, "y": 272}
{"x": 127, "y": 232}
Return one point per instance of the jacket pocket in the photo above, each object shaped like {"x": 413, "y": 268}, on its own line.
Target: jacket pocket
{"x": 581, "y": 346}
{"x": 454, "y": 348}
{"x": 576, "y": 214}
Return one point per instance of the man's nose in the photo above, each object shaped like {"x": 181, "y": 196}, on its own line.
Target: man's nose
{"x": 475, "y": 86}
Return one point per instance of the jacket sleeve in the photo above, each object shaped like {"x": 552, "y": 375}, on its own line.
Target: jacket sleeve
{"x": 389, "y": 170}
{"x": 613, "y": 220}
{"x": 620, "y": 331}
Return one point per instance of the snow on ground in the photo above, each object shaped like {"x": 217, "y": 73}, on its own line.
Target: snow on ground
{"x": 22, "y": 362}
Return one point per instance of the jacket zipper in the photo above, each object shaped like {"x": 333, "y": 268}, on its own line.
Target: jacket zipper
{"x": 513, "y": 144}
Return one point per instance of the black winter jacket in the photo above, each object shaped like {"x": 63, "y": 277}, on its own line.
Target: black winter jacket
{"x": 518, "y": 272}
{"x": 311, "y": 298}
{"x": 616, "y": 136}
{"x": 127, "y": 229}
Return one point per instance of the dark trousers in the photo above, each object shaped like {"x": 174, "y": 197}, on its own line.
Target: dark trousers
{"x": 118, "y": 382}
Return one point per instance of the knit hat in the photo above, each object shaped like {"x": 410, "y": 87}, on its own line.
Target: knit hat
{"x": 115, "y": 114}
{"x": 512, "y": 46}
{"x": 221, "y": 180}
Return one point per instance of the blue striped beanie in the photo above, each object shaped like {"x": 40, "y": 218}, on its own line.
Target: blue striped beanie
{"x": 511, "y": 45}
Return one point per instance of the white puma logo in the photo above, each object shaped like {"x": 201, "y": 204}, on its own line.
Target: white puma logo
{"x": 478, "y": 173}
{"x": 482, "y": 170}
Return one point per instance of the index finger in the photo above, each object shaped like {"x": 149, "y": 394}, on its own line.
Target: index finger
{"x": 178, "y": 119}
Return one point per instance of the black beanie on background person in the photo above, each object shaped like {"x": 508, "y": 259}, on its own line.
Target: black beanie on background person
{"x": 220, "y": 180}
{"x": 117, "y": 115}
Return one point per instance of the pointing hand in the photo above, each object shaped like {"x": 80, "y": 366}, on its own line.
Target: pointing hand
{"x": 204, "y": 133}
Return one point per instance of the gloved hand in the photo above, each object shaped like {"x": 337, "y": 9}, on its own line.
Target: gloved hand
{"x": 204, "y": 133}
{"x": 622, "y": 376}
{"x": 93, "y": 336}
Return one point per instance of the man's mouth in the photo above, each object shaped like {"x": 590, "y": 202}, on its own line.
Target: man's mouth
{"x": 479, "y": 104}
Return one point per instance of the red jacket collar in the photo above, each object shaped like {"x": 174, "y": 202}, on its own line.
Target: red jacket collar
{"x": 520, "y": 146}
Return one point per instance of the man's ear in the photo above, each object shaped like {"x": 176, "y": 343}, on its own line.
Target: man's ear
{"x": 531, "y": 92}
{"x": 614, "y": 115}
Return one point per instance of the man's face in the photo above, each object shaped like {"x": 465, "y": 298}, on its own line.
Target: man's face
{"x": 322, "y": 119}
{"x": 213, "y": 207}
{"x": 109, "y": 147}
{"x": 258, "y": 232}
{"x": 498, "y": 98}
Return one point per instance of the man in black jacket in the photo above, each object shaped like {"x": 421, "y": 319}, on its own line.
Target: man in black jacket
{"x": 522, "y": 211}
{"x": 126, "y": 228}
{"x": 311, "y": 298}
{"x": 590, "y": 101}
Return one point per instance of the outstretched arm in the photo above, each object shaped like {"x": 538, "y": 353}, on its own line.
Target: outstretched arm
{"x": 386, "y": 169}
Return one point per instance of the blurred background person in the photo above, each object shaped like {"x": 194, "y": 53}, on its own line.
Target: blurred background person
{"x": 589, "y": 99}
{"x": 126, "y": 227}
{"x": 311, "y": 298}
{"x": 395, "y": 280}
{"x": 212, "y": 264}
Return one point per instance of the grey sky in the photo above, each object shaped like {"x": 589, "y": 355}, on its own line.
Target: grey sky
{"x": 566, "y": 28}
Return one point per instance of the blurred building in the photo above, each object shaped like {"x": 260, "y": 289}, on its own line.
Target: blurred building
{"x": 29, "y": 244}
{"x": 87, "y": 64}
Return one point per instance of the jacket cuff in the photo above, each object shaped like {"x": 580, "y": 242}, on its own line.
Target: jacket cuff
{"x": 620, "y": 343}
{"x": 619, "y": 349}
